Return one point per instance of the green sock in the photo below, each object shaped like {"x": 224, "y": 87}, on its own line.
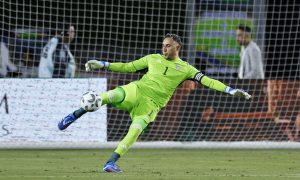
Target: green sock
{"x": 135, "y": 130}
{"x": 128, "y": 140}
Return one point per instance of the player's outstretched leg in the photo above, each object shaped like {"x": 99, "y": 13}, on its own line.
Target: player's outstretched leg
{"x": 112, "y": 96}
{"x": 135, "y": 130}
{"x": 69, "y": 119}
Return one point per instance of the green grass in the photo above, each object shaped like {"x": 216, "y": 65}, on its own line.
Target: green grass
{"x": 151, "y": 164}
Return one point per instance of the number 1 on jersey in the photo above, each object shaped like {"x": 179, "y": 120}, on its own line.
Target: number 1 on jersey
{"x": 165, "y": 71}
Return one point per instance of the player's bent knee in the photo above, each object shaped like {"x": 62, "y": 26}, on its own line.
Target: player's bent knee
{"x": 113, "y": 96}
{"x": 139, "y": 124}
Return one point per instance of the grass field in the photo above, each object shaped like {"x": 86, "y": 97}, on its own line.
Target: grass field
{"x": 151, "y": 164}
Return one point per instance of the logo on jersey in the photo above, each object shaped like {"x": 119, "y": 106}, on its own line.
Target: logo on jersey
{"x": 178, "y": 67}
{"x": 159, "y": 61}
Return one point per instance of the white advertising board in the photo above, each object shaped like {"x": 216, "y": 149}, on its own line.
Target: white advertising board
{"x": 31, "y": 108}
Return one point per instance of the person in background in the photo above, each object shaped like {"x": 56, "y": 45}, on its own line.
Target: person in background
{"x": 6, "y": 66}
{"x": 251, "y": 65}
{"x": 57, "y": 60}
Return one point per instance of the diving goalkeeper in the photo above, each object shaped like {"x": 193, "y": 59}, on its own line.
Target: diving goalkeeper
{"x": 144, "y": 98}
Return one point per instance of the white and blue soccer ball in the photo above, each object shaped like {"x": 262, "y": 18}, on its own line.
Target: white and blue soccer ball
{"x": 91, "y": 101}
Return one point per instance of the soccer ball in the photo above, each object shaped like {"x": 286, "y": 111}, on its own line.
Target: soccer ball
{"x": 90, "y": 101}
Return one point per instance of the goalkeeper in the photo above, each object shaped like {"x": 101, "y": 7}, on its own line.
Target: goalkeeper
{"x": 144, "y": 98}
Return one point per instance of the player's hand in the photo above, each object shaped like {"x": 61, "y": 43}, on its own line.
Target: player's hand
{"x": 95, "y": 64}
{"x": 239, "y": 93}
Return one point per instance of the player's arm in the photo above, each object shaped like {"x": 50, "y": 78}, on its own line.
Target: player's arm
{"x": 118, "y": 67}
{"x": 219, "y": 86}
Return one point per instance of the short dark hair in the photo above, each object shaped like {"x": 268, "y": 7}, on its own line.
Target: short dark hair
{"x": 175, "y": 37}
{"x": 244, "y": 28}
{"x": 63, "y": 28}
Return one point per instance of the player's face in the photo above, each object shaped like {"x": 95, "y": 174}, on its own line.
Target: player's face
{"x": 170, "y": 48}
{"x": 71, "y": 34}
{"x": 242, "y": 37}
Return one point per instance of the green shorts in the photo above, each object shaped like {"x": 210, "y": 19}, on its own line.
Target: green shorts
{"x": 138, "y": 105}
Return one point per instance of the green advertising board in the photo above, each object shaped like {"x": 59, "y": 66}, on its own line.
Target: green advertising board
{"x": 215, "y": 35}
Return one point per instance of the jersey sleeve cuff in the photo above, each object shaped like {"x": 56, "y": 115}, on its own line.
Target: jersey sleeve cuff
{"x": 106, "y": 64}
{"x": 228, "y": 89}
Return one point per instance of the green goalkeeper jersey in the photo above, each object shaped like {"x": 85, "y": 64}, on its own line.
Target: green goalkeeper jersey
{"x": 164, "y": 76}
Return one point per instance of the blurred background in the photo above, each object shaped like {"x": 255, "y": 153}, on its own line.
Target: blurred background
{"x": 128, "y": 30}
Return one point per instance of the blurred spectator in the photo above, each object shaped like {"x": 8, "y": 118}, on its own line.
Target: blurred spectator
{"x": 297, "y": 122}
{"x": 251, "y": 65}
{"x": 27, "y": 46}
{"x": 7, "y": 68}
{"x": 56, "y": 59}
{"x": 30, "y": 66}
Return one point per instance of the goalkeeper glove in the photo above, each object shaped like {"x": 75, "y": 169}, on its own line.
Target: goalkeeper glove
{"x": 95, "y": 64}
{"x": 238, "y": 93}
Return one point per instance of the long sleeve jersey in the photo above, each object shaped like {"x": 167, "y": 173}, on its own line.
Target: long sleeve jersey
{"x": 164, "y": 76}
